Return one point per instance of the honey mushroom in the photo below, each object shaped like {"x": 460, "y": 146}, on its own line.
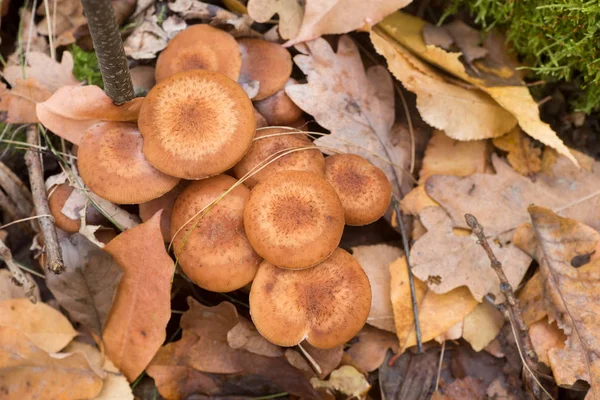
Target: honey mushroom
{"x": 363, "y": 189}
{"x": 279, "y": 109}
{"x": 326, "y": 305}
{"x": 271, "y": 141}
{"x": 200, "y": 47}
{"x": 196, "y": 124}
{"x": 268, "y": 63}
{"x": 57, "y": 197}
{"x": 165, "y": 203}
{"x": 112, "y": 165}
{"x": 213, "y": 250}
{"x": 294, "y": 219}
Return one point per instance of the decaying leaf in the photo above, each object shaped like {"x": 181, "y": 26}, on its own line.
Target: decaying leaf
{"x": 459, "y": 261}
{"x": 357, "y": 107}
{"x": 135, "y": 328}
{"x": 66, "y": 18}
{"x": 236, "y": 25}
{"x": 370, "y": 348}
{"x": 30, "y": 36}
{"x": 28, "y": 372}
{"x": 465, "y": 388}
{"x": 290, "y": 14}
{"x": 482, "y": 325}
{"x": 326, "y": 359}
{"x": 410, "y": 377}
{"x": 467, "y": 39}
{"x": 245, "y": 336}
{"x": 546, "y": 336}
{"x": 48, "y": 72}
{"x": 375, "y": 261}
{"x": 149, "y": 37}
{"x": 9, "y": 290}
{"x": 523, "y": 156}
{"x": 41, "y": 324}
{"x": 87, "y": 287}
{"x": 18, "y": 104}
{"x": 437, "y": 312}
{"x": 345, "y": 380}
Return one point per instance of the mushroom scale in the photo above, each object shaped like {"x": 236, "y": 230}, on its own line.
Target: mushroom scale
{"x": 294, "y": 219}
{"x": 200, "y": 47}
{"x": 363, "y": 188}
{"x": 196, "y": 124}
{"x": 112, "y": 165}
{"x": 215, "y": 254}
{"x": 265, "y": 145}
{"x": 326, "y": 305}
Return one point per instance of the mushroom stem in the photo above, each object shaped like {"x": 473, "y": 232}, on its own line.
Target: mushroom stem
{"x": 109, "y": 49}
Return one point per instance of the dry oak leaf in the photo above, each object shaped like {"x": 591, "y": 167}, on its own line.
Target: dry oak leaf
{"x": 407, "y": 30}
{"x": 67, "y": 17}
{"x": 462, "y": 113}
{"x": 482, "y": 325}
{"x": 447, "y": 261}
{"x": 48, "y": 72}
{"x": 437, "y": 312}
{"x": 572, "y": 292}
{"x": 135, "y": 328}
{"x": 19, "y": 103}
{"x": 523, "y": 156}
{"x": 73, "y": 109}
{"x": 375, "y": 260}
{"x": 87, "y": 287}
{"x": 290, "y": 14}
{"x": 546, "y": 336}
{"x": 346, "y": 380}
{"x": 9, "y": 290}
{"x": 43, "y": 325}
{"x": 357, "y": 107}
{"x": 28, "y": 372}
{"x": 370, "y": 347}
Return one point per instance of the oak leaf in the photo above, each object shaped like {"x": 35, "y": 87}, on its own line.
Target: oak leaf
{"x": 48, "y": 72}
{"x": 370, "y": 348}
{"x": 66, "y": 18}
{"x": 290, "y": 14}
{"x": 41, "y": 324}
{"x": 20, "y": 101}
{"x": 135, "y": 328}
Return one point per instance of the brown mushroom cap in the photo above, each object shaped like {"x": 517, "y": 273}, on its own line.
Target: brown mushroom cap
{"x": 275, "y": 140}
{"x": 294, "y": 219}
{"x": 268, "y": 63}
{"x": 279, "y": 109}
{"x": 216, "y": 254}
{"x": 57, "y": 197}
{"x": 196, "y": 124}
{"x": 200, "y": 47}
{"x": 165, "y": 203}
{"x": 112, "y": 165}
{"x": 326, "y": 305}
{"x": 363, "y": 188}
{"x": 261, "y": 121}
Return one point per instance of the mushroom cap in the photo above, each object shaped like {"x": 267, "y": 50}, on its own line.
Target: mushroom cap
{"x": 200, "y": 47}
{"x": 57, "y": 197}
{"x": 268, "y": 63}
{"x": 216, "y": 254}
{"x": 279, "y": 109}
{"x": 363, "y": 188}
{"x": 326, "y": 305}
{"x": 294, "y": 219}
{"x": 112, "y": 165}
{"x": 165, "y": 203}
{"x": 261, "y": 149}
{"x": 196, "y": 124}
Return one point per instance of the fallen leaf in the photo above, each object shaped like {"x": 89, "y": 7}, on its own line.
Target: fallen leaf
{"x": 467, "y": 39}
{"x": 357, "y": 107}
{"x": 453, "y": 333}
{"x": 87, "y": 287}
{"x": 465, "y": 388}
{"x": 290, "y": 14}
{"x": 66, "y": 18}
{"x": 135, "y": 328}
{"x": 28, "y": 372}
{"x": 326, "y": 359}
{"x": 410, "y": 377}
{"x": 370, "y": 348}
{"x": 245, "y": 336}
{"x": 10, "y": 290}
{"x": 48, "y": 72}
{"x": 479, "y": 365}
{"x": 346, "y": 380}
{"x": 407, "y": 30}
{"x": 29, "y": 35}
{"x": 523, "y": 156}
{"x": 44, "y": 326}
{"x": 546, "y": 336}
{"x": 437, "y": 312}
{"x": 147, "y": 39}
{"x": 532, "y": 300}
{"x": 482, "y": 325}
{"x": 236, "y": 25}
{"x": 571, "y": 292}
{"x": 19, "y": 103}
{"x": 375, "y": 260}
{"x": 447, "y": 261}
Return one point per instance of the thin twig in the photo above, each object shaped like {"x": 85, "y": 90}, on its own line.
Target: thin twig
{"x": 20, "y": 278}
{"x": 33, "y": 161}
{"x": 439, "y": 371}
{"x": 311, "y": 360}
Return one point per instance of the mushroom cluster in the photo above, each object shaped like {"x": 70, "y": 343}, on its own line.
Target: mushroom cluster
{"x": 240, "y": 205}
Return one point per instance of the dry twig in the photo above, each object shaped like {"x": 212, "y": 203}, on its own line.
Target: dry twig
{"x": 19, "y": 276}
{"x": 16, "y": 190}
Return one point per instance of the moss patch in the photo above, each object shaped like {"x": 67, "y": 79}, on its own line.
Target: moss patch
{"x": 86, "y": 66}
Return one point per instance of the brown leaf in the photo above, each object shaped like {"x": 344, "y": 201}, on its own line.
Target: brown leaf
{"x": 370, "y": 348}
{"x": 290, "y": 14}
{"x": 245, "y": 336}
{"x": 346, "y": 380}
{"x": 523, "y": 156}
{"x": 67, "y": 17}
{"x": 28, "y": 372}
{"x": 546, "y": 336}
{"x": 48, "y": 72}
{"x": 410, "y": 377}
{"x": 9, "y": 290}
{"x": 482, "y": 325}
{"x": 357, "y": 107}
{"x": 87, "y": 287}
{"x": 136, "y": 324}
{"x": 19, "y": 103}
{"x": 447, "y": 261}
{"x": 326, "y": 359}
{"x": 467, "y": 39}
{"x": 465, "y": 388}
{"x": 571, "y": 291}
{"x": 532, "y": 300}
{"x": 41, "y": 324}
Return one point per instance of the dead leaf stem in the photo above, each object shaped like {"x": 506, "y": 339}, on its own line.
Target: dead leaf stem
{"x": 19, "y": 277}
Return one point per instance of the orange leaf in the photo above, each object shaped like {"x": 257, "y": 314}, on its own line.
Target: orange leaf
{"x": 135, "y": 328}
{"x": 19, "y": 103}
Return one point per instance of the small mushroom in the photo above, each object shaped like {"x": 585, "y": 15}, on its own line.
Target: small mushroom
{"x": 112, "y": 165}
{"x": 363, "y": 188}
{"x": 200, "y": 47}
{"x": 294, "y": 219}
{"x": 270, "y": 141}
{"x": 213, "y": 250}
{"x": 196, "y": 124}
{"x": 165, "y": 203}
{"x": 58, "y": 196}
{"x": 326, "y": 305}
{"x": 279, "y": 109}
{"x": 268, "y": 63}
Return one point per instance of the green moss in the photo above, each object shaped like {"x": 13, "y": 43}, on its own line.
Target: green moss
{"x": 557, "y": 38}
{"x": 86, "y": 66}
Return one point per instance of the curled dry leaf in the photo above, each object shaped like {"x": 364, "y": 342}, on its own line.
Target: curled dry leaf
{"x": 19, "y": 103}
{"x": 28, "y": 372}
{"x": 135, "y": 328}
{"x": 370, "y": 348}
{"x": 290, "y": 14}
{"x": 346, "y": 380}
{"x": 9, "y": 290}
{"x": 523, "y": 156}
{"x": 73, "y": 109}
{"x": 41, "y": 324}
{"x": 357, "y": 107}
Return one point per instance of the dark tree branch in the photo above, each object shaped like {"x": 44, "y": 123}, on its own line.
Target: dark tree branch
{"x": 109, "y": 49}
